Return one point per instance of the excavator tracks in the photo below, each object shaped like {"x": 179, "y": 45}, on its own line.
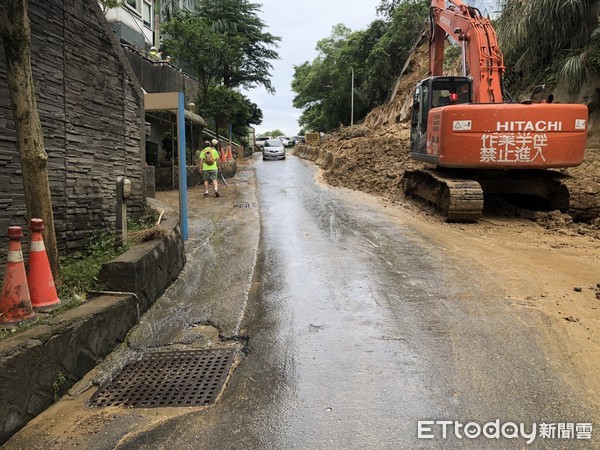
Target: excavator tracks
{"x": 459, "y": 195}
{"x": 459, "y": 200}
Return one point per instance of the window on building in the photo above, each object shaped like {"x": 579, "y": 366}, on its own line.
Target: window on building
{"x": 132, "y": 3}
{"x": 147, "y": 13}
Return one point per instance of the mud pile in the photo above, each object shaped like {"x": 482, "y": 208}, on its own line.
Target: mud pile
{"x": 373, "y": 156}
{"x": 373, "y": 162}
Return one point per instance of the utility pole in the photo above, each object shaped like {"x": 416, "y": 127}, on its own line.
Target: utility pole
{"x": 352, "y": 98}
{"x": 157, "y": 23}
{"x": 351, "y": 92}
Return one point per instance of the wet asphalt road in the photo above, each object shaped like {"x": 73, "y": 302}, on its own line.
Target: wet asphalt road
{"x": 358, "y": 327}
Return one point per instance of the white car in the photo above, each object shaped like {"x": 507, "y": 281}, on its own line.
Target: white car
{"x": 273, "y": 149}
{"x": 287, "y": 142}
{"x": 260, "y": 141}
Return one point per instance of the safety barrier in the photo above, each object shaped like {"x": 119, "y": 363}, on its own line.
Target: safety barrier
{"x": 323, "y": 158}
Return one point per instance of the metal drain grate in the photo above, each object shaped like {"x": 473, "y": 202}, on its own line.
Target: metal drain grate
{"x": 179, "y": 378}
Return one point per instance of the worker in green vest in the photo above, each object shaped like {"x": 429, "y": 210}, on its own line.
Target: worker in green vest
{"x": 208, "y": 160}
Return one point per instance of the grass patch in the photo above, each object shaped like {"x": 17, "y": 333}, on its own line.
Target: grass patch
{"x": 8, "y": 330}
{"x": 79, "y": 272}
{"x": 59, "y": 381}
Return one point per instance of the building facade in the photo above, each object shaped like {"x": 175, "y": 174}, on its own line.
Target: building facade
{"x": 137, "y": 22}
{"x": 134, "y": 22}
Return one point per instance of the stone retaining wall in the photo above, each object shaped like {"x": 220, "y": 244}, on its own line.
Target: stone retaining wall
{"x": 147, "y": 269}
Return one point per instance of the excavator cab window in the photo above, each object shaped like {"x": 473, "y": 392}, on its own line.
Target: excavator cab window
{"x": 450, "y": 91}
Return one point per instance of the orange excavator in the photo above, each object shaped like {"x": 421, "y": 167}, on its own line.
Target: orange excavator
{"x": 480, "y": 141}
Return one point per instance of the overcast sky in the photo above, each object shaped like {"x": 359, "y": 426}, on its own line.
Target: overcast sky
{"x": 300, "y": 24}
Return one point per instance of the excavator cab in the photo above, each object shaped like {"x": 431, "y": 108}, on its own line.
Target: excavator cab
{"x": 435, "y": 92}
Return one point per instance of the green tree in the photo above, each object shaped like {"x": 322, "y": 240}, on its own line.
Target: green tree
{"x": 108, "y": 4}
{"x": 546, "y": 39}
{"x": 228, "y": 106}
{"x": 386, "y": 7}
{"x": 322, "y": 86}
{"x": 224, "y": 43}
{"x": 203, "y": 45}
{"x": 239, "y": 19}
{"x": 275, "y": 133}
{"x": 389, "y": 47}
{"x": 377, "y": 55}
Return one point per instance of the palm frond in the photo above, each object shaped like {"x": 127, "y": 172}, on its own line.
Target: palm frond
{"x": 534, "y": 32}
{"x": 574, "y": 71}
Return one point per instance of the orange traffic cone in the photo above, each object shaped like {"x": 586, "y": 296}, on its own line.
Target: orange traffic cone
{"x": 223, "y": 155}
{"x": 229, "y": 154}
{"x": 41, "y": 283}
{"x": 15, "y": 302}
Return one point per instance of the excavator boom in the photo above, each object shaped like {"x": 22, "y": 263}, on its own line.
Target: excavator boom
{"x": 476, "y": 36}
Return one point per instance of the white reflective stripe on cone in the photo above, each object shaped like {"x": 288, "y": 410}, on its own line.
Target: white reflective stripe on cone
{"x": 37, "y": 246}
{"x": 15, "y": 256}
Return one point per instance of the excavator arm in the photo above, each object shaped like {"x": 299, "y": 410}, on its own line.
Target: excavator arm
{"x": 482, "y": 58}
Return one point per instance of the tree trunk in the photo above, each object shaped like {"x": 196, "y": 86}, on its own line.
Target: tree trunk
{"x": 16, "y": 34}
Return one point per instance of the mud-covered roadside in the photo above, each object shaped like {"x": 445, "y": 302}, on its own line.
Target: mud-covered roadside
{"x": 547, "y": 266}
{"x": 548, "y": 261}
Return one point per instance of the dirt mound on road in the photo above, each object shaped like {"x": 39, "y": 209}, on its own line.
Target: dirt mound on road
{"x": 373, "y": 163}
